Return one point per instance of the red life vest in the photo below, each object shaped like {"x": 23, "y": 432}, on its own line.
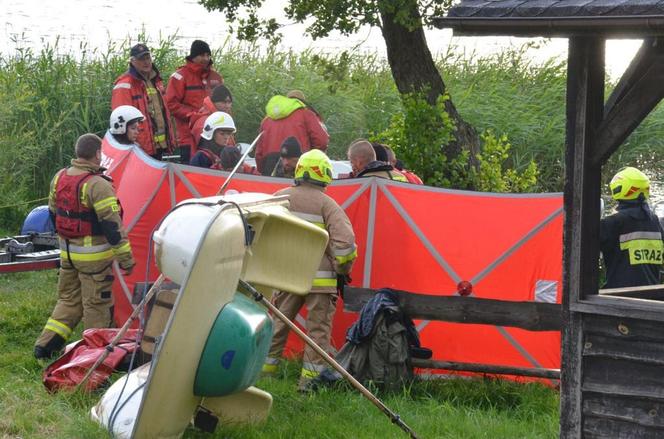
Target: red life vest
{"x": 72, "y": 218}
{"x": 214, "y": 158}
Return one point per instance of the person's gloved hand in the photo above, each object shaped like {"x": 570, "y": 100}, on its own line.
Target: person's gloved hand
{"x": 128, "y": 269}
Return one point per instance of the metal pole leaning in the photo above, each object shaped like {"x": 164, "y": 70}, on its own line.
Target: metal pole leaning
{"x": 395, "y": 418}
{"x": 238, "y": 164}
{"x": 109, "y": 348}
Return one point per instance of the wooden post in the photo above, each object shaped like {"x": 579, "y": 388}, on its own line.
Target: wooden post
{"x": 585, "y": 102}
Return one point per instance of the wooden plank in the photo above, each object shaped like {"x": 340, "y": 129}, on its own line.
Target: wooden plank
{"x": 624, "y": 328}
{"x": 649, "y": 292}
{"x": 621, "y": 307}
{"x": 487, "y": 368}
{"x": 641, "y": 411}
{"x": 616, "y": 348}
{"x": 585, "y": 102}
{"x": 599, "y": 427}
{"x": 645, "y": 91}
{"x": 622, "y": 377}
{"x": 533, "y": 316}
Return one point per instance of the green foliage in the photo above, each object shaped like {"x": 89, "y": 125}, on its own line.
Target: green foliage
{"x": 492, "y": 173}
{"x": 446, "y": 409}
{"x": 507, "y": 93}
{"x": 324, "y": 16}
{"x": 418, "y": 135}
{"x": 49, "y": 99}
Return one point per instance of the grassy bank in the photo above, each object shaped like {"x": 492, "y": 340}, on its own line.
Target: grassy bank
{"x": 434, "y": 409}
{"x": 47, "y": 99}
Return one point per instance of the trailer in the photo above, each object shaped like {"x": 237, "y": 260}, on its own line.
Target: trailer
{"x": 30, "y": 252}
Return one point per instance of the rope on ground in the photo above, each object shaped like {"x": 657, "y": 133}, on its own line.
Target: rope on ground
{"x": 24, "y": 202}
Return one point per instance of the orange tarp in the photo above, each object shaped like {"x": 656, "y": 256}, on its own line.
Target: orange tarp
{"x": 409, "y": 237}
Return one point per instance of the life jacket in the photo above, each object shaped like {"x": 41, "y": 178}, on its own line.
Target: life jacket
{"x": 73, "y": 219}
{"x": 214, "y": 158}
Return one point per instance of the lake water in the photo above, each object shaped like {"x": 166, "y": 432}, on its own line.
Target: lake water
{"x": 96, "y": 23}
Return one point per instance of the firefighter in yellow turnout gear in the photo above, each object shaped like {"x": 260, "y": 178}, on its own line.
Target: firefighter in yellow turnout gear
{"x": 86, "y": 212}
{"x": 308, "y": 201}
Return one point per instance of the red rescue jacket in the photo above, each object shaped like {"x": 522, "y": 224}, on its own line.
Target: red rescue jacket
{"x": 73, "y": 219}
{"x": 302, "y": 123}
{"x": 129, "y": 89}
{"x": 197, "y": 122}
{"x": 188, "y": 86}
{"x": 411, "y": 176}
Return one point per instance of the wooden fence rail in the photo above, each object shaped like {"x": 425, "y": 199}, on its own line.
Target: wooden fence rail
{"x": 533, "y": 316}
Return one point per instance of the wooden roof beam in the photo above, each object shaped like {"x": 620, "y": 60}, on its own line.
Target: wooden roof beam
{"x": 638, "y": 92}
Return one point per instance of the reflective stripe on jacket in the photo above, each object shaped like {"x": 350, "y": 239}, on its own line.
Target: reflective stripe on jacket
{"x": 310, "y": 203}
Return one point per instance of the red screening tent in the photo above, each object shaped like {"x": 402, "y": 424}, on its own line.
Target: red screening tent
{"x": 414, "y": 238}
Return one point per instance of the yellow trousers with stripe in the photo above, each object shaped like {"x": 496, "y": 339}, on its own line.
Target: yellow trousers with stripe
{"x": 81, "y": 296}
{"x": 320, "y": 311}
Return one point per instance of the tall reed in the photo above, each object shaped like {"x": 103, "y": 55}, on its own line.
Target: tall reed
{"x": 47, "y": 99}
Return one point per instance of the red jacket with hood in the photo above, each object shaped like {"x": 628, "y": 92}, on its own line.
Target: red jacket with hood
{"x": 288, "y": 117}
{"x": 197, "y": 122}
{"x": 129, "y": 89}
{"x": 188, "y": 86}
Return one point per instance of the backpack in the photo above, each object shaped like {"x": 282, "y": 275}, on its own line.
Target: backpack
{"x": 384, "y": 357}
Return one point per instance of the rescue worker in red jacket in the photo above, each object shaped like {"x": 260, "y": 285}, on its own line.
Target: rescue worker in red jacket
{"x": 88, "y": 222}
{"x": 142, "y": 87}
{"x": 396, "y": 164}
{"x": 187, "y": 88}
{"x": 220, "y": 100}
{"x": 219, "y": 127}
{"x": 308, "y": 201}
{"x": 289, "y": 116}
{"x": 362, "y": 157}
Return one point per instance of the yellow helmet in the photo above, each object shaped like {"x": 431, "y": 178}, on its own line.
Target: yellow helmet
{"x": 629, "y": 183}
{"x": 315, "y": 167}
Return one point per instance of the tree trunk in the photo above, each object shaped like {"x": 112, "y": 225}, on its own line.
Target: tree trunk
{"x": 414, "y": 70}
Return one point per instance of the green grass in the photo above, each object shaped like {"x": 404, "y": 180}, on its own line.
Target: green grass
{"x": 456, "y": 408}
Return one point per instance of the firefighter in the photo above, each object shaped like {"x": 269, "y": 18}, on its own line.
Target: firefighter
{"x": 218, "y": 129}
{"x": 188, "y": 87}
{"x": 141, "y": 87}
{"x": 362, "y": 157}
{"x": 124, "y": 123}
{"x": 631, "y": 239}
{"x": 309, "y": 202}
{"x": 88, "y": 221}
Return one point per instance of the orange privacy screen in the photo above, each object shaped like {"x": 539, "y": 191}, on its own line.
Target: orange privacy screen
{"x": 413, "y": 238}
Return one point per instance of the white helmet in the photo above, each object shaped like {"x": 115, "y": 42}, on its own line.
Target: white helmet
{"x": 215, "y": 121}
{"x": 123, "y": 116}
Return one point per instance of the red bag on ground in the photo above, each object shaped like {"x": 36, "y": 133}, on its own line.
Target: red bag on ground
{"x": 70, "y": 368}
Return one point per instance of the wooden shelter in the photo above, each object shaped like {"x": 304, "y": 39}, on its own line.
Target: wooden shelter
{"x": 612, "y": 376}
